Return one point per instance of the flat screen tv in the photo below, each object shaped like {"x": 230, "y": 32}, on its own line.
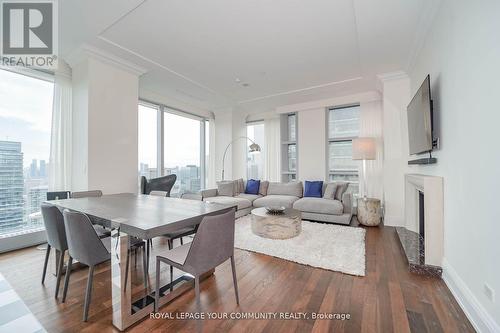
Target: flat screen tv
{"x": 420, "y": 120}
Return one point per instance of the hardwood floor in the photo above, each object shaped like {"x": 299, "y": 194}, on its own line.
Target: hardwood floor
{"x": 387, "y": 299}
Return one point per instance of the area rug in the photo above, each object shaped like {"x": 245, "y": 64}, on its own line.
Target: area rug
{"x": 328, "y": 246}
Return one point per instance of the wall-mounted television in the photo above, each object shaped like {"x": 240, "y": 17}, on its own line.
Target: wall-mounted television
{"x": 420, "y": 131}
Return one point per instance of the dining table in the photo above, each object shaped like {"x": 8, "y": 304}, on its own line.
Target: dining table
{"x": 145, "y": 217}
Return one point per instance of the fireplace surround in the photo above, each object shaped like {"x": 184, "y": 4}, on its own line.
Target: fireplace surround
{"x": 422, "y": 235}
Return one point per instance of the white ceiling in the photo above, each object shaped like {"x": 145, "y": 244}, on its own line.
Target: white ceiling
{"x": 288, "y": 51}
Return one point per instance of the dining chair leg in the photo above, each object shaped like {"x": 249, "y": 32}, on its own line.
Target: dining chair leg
{"x": 235, "y": 281}
{"x": 47, "y": 253}
{"x": 88, "y": 293}
{"x": 66, "y": 279}
{"x": 59, "y": 272}
{"x": 182, "y": 242}
{"x": 171, "y": 278}
{"x": 157, "y": 286}
{"x": 197, "y": 292}
{"x": 135, "y": 258}
{"x": 145, "y": 268}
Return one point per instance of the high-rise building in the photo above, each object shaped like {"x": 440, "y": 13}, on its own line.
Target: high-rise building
{"x": 36, "y": 195}
{"x": 11, "y": 185}
{"x": 34, "y": 169}
{"x": 42, "y": 172}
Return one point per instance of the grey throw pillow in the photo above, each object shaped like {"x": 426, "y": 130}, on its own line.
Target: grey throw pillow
{"x": 341, "y": 189}
{"x": 263, "y": 187}
{"x": 225, "y": 188}
{"x": 241, "y": 186}
{"x": 330, "y": 191}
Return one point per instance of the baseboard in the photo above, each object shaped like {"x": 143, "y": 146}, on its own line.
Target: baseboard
{"x": 22, "y": 240}
{"x": 393, "y": 221}
{"x": 475, "y": 312}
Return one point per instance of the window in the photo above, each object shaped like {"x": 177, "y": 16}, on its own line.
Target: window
{"x": 289, "y": 147}
{"x": 255, "y": 162}
{"x": 182, "y": 152}
{"x": 343, "y": 126}
{"x": 25, "y": 125}
{"x": 148, "y": 141}
{"x": 172, "y": 142}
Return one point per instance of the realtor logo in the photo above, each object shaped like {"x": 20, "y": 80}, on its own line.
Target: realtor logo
{"x": 29, "y": 33}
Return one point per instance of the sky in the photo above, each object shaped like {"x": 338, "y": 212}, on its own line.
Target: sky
{"x": 26, "y": 114}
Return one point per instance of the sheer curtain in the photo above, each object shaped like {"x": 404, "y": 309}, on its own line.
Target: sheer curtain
{"x": 371, "y": 126}
{"x": 272, "y": 160}
{"x": 60, "y": 143}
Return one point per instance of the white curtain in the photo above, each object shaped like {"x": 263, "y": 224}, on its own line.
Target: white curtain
{"x": 60, "y": 143}
{"x": 272, "y": 149}
{"x": 211, "y": 155}
{"x": 371, "y": 126}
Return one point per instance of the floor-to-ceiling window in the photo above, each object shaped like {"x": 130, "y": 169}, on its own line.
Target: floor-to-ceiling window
{"x": 148, "y": 140}
{"x": 25, "y": 125}
{"x": 255, "y": 161}
{"x": 343, "y": 126}
{"x": 172, "y": 142}
{"x": 182, "y": 151}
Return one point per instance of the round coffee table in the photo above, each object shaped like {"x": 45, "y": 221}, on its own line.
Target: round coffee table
{"x": 280, "y": 226}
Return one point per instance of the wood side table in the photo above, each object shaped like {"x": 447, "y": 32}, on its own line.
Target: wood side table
{"x": 369, "y": 211}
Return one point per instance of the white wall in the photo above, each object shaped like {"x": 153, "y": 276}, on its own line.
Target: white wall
{"x": 223, "y": 135}
{"x": 312, "y": 144}
{"x": 105, "y": 127}
{"x": 396, "y": 92}
{"x": 462, "y": 55}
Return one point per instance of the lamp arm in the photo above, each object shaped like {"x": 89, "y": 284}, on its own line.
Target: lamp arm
{"x": 225, "y": 151}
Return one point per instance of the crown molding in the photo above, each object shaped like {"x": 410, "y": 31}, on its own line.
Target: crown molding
{"x": 398, "y": 75}
{"x": 86, "y": 51}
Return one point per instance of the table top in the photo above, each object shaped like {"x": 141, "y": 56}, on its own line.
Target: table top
{"x": 143, "y": 216}
{"x": 289, "y": 212}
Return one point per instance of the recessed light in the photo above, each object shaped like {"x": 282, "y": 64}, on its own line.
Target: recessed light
{"x": 237, "y": 80}
{"x": 245, "y": 84}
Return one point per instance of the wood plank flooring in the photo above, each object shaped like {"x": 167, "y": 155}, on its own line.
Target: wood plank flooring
{"x": 387, "y": 299}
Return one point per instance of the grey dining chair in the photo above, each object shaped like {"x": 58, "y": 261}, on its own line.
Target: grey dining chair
{"x": 56, "y": 238}
{"x": 86, "y": 194}
{"x": 85, "y": 246}
{"x": 158, "y": 184}
{"x": 177, "y": 234}
{"x": 212, "y": 245}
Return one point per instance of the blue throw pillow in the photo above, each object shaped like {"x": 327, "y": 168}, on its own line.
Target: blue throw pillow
{"x": 252, "y": 187}
{"x": 313, "y": 189}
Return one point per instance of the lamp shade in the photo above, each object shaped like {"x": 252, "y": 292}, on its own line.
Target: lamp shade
{"x": 364, "y": 149}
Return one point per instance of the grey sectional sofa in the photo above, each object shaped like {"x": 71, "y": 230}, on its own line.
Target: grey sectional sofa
{"x": 288, "y": 195}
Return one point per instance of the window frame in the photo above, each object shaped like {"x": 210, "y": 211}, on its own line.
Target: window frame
{"x": 160, "y": 142}
{"x": 329, "y": 140}
{"x": 247, "y": 154}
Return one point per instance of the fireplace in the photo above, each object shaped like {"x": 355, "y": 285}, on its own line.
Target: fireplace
{"x": 421, "y": 235}
{"x": 421, "y": 226}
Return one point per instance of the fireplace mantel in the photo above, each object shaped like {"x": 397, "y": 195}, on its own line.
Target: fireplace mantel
{"x": 427, "y": 253}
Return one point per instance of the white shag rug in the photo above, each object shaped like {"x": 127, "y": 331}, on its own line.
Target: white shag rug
{"x": 328, "y": 246}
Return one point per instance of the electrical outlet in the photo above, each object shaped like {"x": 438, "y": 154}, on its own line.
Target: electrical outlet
{"x": 489, "y": 292}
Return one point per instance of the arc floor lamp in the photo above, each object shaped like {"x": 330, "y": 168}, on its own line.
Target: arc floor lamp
{"x": 253, "y": 148}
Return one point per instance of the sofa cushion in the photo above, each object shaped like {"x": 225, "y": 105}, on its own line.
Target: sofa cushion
{"x": 319, "y": 206}
{"x": 225, "y": 188}
{"x": 264, "y": 185}
{"x": 313, "y": 188}
{"x": 290, "y": 189}
{"x": 242, "y": 203}
{"x": 275, "y": 201}
{"x": 250, "y": 197}
{"x": 330, "y": 190}
{"x": 252, "y": 186}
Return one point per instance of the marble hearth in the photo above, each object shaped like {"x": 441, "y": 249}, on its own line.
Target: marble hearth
{"x": 422, "y": 237}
